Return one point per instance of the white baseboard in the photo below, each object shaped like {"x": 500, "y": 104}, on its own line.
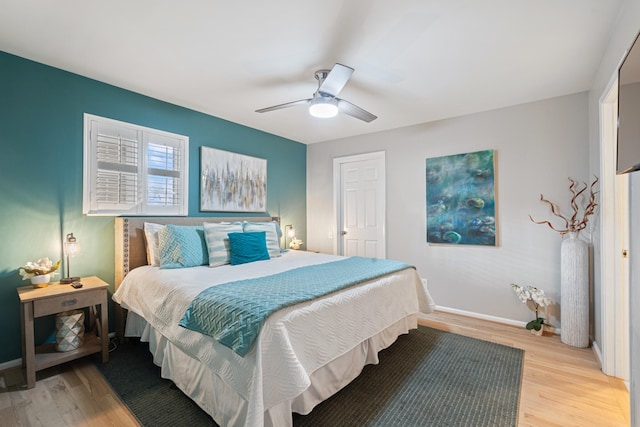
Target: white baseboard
{"x": 597, "y": 353}
{"x": 481, "y": 316}
{"x": 10, "y": 364}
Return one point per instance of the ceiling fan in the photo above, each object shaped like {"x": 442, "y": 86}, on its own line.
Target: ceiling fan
{"x": 325, "y": 102}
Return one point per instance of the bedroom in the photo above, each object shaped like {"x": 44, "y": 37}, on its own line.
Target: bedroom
{"x": 42, "y": 188}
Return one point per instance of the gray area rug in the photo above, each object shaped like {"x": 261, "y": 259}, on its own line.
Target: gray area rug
{"x": 426, "y": 378}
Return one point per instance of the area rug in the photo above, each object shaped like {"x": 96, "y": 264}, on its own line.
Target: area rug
{"x": 426, "y": 378}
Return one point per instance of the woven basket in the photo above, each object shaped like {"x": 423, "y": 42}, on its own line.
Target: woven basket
{"x": 69, "y": 330}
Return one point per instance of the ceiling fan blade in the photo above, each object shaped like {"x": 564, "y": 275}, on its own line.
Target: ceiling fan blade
{"x": 335, "y": 80}
{"x": 354, "y": 111}
{"x": 285, "y": 105}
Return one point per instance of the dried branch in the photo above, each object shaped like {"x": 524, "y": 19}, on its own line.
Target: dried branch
{"x": 580, "y": 217}
{"x": 576, "y": 193}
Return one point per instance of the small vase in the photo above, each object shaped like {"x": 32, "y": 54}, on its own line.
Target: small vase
{"x": 69, "y": 330}
{"x": 538, "y": 333}
{"x": 41, "y": 281}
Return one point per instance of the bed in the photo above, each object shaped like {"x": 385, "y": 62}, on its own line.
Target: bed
{"x": 303, "y": 354}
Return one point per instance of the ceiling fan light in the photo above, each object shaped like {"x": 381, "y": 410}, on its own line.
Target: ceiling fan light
{"x": 323, "y": 107}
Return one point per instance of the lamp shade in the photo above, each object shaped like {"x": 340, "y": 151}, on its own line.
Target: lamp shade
{"x": 71, "y": 249}
{"x": 323, "y": 107}
{"x": 71, "y": 246}
{"x": 289, "y": 233}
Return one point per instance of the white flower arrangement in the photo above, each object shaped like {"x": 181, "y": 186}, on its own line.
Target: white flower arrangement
{"x": 39, "y": 268}
{"x": 295, "y": 243}
{"x": 537, "y": 297}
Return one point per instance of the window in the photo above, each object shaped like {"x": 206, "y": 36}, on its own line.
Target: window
{"x": 133, "y": 170}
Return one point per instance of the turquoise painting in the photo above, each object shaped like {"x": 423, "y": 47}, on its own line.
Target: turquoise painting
{"x": 461, "y": 201}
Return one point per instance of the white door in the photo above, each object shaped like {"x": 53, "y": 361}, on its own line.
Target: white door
{"x": 360, "y": 205}
{"x": 614, "y": 243}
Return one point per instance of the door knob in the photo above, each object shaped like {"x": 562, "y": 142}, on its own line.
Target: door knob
{"x": 342, "y": 233}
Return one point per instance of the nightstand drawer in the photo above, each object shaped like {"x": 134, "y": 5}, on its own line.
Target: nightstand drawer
{"x": 69, "y": 301}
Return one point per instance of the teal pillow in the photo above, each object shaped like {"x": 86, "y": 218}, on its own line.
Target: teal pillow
{"x": 248, "y": 247}
{"x": 182, "y": 246}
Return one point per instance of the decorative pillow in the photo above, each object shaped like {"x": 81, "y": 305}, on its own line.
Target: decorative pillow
{"x": 218, "y": 241}
{"x": 151, "y": 237}
{"x": 182, "y": 246}
{"x": 248, "y": 247}
{"x": 271, "y": 230}
{"x": 278, "y": 231}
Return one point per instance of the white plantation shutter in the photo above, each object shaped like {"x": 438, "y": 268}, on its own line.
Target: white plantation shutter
{"x": 132, "y": 170}
{"x": 116, "y": 176}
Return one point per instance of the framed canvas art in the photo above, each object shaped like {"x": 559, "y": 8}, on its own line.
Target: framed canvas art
{"x": 231, "y": 182}
{"x": 461, "y": 200}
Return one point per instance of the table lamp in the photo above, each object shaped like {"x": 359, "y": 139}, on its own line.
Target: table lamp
{"x": 71, "y": 249}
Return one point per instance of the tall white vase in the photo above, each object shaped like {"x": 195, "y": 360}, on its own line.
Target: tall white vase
{"x": 574, "y": 291}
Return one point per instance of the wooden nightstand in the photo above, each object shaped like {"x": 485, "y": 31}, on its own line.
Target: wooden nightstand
{"x": 56, "y": 298}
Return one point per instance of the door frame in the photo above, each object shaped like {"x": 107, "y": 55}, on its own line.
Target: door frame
{"x": 337, "y": 201}
{"x": 614, "y": 283}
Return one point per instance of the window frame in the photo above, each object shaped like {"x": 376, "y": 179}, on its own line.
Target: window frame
{"x": 144, "y": 136}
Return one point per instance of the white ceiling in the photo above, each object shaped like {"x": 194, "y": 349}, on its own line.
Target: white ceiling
{"x": 415, "y": 60}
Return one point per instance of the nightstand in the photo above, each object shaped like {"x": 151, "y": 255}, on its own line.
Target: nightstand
{"x": 56, "y": 298}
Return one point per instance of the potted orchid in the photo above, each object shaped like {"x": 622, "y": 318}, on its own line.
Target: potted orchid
{"x": 536, "y": 297}
{"x": 39, "y": 272}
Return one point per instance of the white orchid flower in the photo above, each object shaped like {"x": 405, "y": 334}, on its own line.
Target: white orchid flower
{"x": 42, "y": 266}
{"x": 535, "y": 295}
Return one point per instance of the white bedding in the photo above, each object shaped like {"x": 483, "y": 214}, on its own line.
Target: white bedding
{"x": 294, "y": 342}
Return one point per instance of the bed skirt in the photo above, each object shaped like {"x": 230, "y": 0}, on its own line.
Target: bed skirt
{"x": 227, "y": 407}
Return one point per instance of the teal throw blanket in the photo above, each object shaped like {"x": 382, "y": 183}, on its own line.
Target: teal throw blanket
{"x": 233, "y": 313}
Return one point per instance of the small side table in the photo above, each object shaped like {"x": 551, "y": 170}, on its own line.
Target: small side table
{"x": 56, "y": 298}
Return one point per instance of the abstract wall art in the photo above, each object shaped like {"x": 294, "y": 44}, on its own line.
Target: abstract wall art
{"x": 461, "y": 201}
{"x": 232, "y": 182}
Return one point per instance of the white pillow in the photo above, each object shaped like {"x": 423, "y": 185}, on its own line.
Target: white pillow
{"x": 216, "y": 235}
{"x": 151, "y": 236}
{"x": 271, "y": 228}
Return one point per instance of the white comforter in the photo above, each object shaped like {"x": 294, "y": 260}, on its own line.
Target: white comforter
{"x": 293, "y": 343}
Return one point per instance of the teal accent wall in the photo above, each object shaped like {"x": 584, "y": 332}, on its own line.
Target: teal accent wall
{"x": 41, "y": 129}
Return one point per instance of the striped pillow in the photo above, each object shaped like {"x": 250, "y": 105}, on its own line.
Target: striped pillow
{"x": 271, "y": 228}
{"x": 216, "y": 236}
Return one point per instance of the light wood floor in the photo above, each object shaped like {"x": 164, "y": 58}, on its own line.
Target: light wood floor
{"x": 561, "y": 386}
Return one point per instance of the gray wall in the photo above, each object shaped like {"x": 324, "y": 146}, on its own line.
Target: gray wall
{"x": 538, "y": 146}
{"x": 625, "y": 29}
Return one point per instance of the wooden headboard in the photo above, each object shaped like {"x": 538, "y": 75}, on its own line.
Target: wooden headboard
{"x": 130, "y": 250}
